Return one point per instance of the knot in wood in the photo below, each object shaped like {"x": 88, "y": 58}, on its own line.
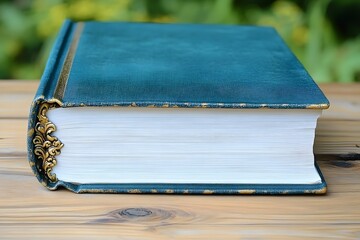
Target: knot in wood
{"x": 135, "y": 212}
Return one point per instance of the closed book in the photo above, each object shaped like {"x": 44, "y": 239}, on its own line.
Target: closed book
{"x": 175, "y": 108}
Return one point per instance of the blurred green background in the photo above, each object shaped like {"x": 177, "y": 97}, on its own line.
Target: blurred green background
{"x": 324, "y": 34}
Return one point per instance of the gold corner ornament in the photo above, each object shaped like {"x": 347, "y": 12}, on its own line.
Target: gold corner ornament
{"x": 47, "y": 147}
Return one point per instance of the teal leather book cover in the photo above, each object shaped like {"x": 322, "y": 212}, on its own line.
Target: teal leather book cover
{"x": 167, "y": 65}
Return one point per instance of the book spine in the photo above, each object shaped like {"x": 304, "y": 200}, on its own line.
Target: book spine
{"x": 42, "y": 146}
{"x": 53, "y": 65}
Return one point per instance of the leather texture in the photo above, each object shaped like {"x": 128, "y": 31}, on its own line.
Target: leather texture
{"x": 182, "y": 65}
{"x": 185, "y": 65}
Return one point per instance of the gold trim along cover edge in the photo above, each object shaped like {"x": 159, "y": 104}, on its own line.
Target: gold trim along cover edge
{"x": 65, "y": 71}
{"x": 47, "y": 147}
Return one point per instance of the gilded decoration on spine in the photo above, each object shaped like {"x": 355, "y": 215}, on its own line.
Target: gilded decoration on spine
{"x": 47, "y": 147}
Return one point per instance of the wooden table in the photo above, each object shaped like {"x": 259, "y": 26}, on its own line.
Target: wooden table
{"x": 27, "y": 209}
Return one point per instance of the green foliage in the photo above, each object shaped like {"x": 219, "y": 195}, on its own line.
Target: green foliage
{"x": 328, "y": 46}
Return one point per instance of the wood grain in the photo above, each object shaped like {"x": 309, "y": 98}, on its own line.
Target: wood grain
{"x": 28, "y": 210}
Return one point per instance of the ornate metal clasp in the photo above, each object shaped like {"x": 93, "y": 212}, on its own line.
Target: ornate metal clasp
{"x": 47, "y": 147}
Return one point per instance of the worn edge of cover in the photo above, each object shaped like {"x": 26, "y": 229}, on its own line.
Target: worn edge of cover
{"x": 43, "y": 146}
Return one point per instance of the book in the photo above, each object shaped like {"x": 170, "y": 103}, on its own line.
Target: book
{"x": 175, "y": 108}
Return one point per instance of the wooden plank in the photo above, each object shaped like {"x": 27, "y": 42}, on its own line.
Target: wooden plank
{"x": 337, "y": 137}
{"x": 13, "y": 137}
{"x": 16, "y": 97}
{"x": 27, "y": 209}
{"x": 186, "y": 231}
{"x": 27, "y": 205}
